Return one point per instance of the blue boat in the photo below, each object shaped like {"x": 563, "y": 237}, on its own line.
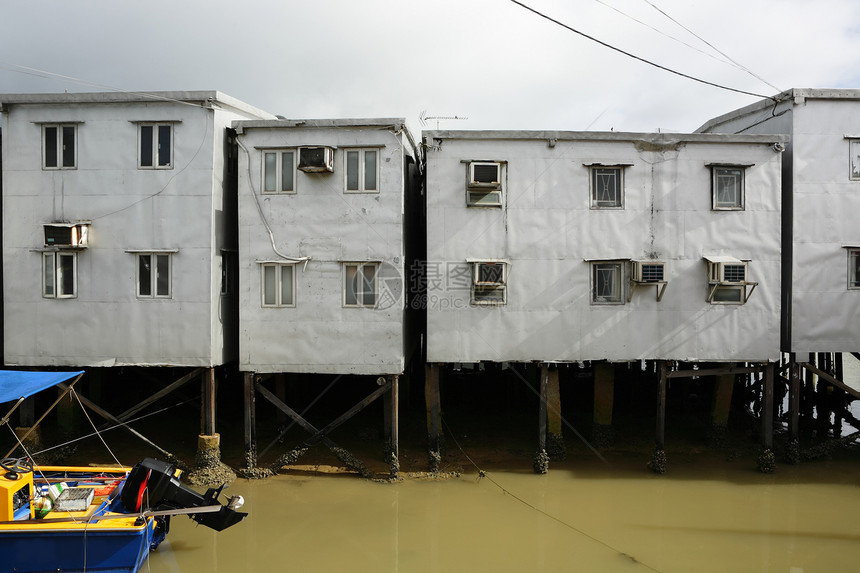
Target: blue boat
{"x": 91, "y": 519}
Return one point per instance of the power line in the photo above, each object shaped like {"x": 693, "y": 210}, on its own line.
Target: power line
{"x": 635, "y": 57}
{"x": 729, "y": 58}
{"x": 52, "y": 76}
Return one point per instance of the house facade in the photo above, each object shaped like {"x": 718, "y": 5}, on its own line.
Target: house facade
{"x": 577, "y": 246}
{"x": 323, "y": 207}
{"x": 117, "y": 228}
{"x": 821, "y": 238}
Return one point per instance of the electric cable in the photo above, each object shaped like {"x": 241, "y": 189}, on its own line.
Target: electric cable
{"x": 713, "y": 47}
{"x": 639, "y": 58}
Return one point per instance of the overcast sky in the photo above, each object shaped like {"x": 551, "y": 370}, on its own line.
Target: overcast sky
{"x": 490, "y": 61}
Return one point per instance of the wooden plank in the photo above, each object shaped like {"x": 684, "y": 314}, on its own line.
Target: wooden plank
{"x": 158, "y": 395}
{"x": 361, "y": 405}
{"x": 831, "y": 379}
{"x": 714, "y": 371}
{"x": 108, "y": 416}
{"x": 394, "y": 418}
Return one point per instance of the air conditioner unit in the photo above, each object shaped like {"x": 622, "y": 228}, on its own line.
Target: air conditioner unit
{"x": 485, "y": 175}
{"x": 733, "y": 273}
{"x": 316, "y": 159}
{"x": 489, "y": 274}
{"x": 649, "y": 271}
{"x": 66, "y": 234}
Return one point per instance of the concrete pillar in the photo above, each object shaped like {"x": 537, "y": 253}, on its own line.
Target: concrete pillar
{"x": 555, "y": 446}
{"x": 250, "y": 395}
{"x": 604, "y": 397}
{"x": 720, "y": 409}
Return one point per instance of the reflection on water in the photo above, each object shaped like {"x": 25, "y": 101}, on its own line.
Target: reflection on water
{"x": 702, "y": 516}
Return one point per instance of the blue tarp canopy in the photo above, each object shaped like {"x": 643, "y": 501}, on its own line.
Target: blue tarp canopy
{"x": 15, "y": 384}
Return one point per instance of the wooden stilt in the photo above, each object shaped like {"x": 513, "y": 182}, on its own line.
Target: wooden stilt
{"x": 794, "y": 412}
{"x": 541, "y": 461}
{"x": 659, "y": 463}
{"x": 208, "y": 402}
{"x": 250, "y": 421}
{"x": 434, "y": 415}
{"x": 604, "y": 397}
{"x": 392, "y": 437}
{"x": 766, "y": 461}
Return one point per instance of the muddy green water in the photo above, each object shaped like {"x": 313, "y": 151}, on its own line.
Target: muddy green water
{"x": 715, "y": 515}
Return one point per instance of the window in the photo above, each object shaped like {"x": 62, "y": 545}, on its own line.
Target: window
{"x": 279, "y": 284}
{"x": 59, "y": 275}
{"x": 362, "y": 167}
{"x": 153, "y": 275}
{"x": 59, "y": 150}
{"x": 607, "y": 282}
{"x": 489, "y": 283}
{"x": 156, "y": 146}
{"x": 484, "y": 184}
{"x": 359, "y": 285}
{"x": 728, "y": 280}
{"x": 279, "y": 168}
{"x": 607, "y": 188}
{"x": 854, "y": 159}
{"x": 727, "y": 184}
{"x": 854, "y": 268}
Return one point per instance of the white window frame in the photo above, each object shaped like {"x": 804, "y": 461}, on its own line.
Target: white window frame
{"x": 485, "y": 194}
{"x": 489, "y": 293}
{"x": 277, "y": 269}
{"x": 593, "y": 177}
{"x": 360, "y": 292}
{"x": 853, "y": 158}
{"x": 155, "y": 144}
{"x": 854, "y": 268}
{"x": 617, "y": 267}
{"x": 279, "y": 171}
{"x": 361, "y": 181}
{"x": 719, "y": 171}
{"x": 52, "y": 283}
{"x": 153, "y": 274}
{"x": 60, "y": 146}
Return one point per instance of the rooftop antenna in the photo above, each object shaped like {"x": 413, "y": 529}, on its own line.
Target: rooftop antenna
{"x": 424, "y": 118}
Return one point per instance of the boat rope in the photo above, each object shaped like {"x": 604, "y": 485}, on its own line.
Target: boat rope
{"x": 482, "y": 474}
{"x": 90, "y": 420}
{"x": 115, "y": 426}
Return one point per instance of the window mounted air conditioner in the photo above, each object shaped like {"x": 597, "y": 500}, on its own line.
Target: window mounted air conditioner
{"x": 316, "y": 159}
{"x": 66, "y": 235}
{"x": 732, "y": 273}
{"x": 649, "y": 271}
{"x": 485, "y": 175}
{"x": 489, "y": 274}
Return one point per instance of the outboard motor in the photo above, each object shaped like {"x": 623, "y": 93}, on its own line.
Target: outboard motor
{"x": 154, "y": 485}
